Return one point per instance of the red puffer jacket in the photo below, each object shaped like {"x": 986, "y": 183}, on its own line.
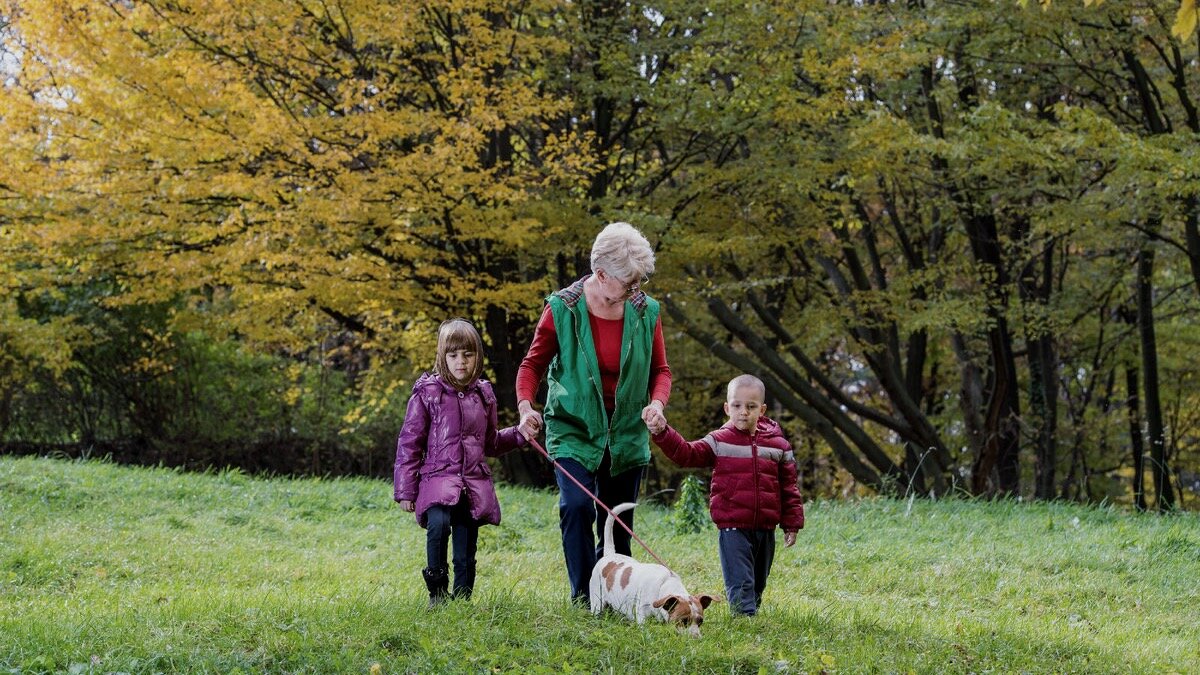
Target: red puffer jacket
{"x": 754, "y": 476}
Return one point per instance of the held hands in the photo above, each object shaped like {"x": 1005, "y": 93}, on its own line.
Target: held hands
{"x": 653, "y": 416}
{"x": 531, "y": 421}
{"x": 789, "y": 538}
{"x": 407, "y": 505}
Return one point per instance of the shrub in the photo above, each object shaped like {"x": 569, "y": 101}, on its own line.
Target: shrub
{"x": 690, "y": 513}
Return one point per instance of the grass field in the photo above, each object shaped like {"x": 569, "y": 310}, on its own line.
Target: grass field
{"x": 106, "y": 568}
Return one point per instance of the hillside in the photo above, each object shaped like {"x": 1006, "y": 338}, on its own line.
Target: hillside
{"x": 107, "y": 568}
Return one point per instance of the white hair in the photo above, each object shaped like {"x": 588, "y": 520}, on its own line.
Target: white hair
{"x": 622, "y": 251}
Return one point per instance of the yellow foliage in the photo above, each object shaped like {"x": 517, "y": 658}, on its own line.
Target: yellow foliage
{"x": 1185, "y": 17}
{"x": 315, "y": 161}
{"x": 1185, "y": 20}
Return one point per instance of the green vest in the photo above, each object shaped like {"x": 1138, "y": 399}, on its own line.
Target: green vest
{"x": 577, "y": 425}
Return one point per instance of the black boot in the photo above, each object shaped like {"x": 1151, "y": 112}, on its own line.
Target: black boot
{"x": 437, "y": 580}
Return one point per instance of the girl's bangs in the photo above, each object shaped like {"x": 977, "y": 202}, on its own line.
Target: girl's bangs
{"x": 459, "y": 336}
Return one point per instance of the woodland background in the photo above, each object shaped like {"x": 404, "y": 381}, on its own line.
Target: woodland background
{"x": 959, "y": 240}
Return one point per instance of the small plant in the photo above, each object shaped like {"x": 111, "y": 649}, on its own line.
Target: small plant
{"x": 690, "y": 513}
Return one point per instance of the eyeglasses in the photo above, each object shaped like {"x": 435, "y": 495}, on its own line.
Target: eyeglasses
{"x": 632, "y": 286}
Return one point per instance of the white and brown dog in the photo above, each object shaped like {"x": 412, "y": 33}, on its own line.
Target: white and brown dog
{"x": 639, "y": 590}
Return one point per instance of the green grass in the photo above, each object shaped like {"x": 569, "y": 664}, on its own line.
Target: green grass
{"x": 114, "y": 569}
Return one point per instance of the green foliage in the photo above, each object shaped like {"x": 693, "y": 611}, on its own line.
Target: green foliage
{"x": 690, "y": 512}
{"x": 892, "y": 210}
{"x": 160, "y": 394}
{"x": 113, "y": 569}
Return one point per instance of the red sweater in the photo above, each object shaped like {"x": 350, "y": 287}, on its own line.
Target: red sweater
{"x": 606, "y": 335}
{"x": 754, "y": 476}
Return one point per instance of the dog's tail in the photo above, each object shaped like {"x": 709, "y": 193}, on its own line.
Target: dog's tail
{"x": 609, "y": 549}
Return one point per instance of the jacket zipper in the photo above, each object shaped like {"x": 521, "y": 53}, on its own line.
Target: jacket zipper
{"x": 599, "y": 386}
{"x": 754, "y": 468}
{"x": 462, "y": 447}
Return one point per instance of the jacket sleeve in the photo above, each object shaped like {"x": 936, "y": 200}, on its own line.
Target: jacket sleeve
{"x": 499, "y": 442}
{"x": 683, "y": 453}
{"x": 410, "y": 449}
{"x": 507, "y": 439}
{"x": 791, "y": 504}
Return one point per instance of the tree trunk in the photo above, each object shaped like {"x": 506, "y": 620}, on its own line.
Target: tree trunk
{"x": 599, "y": 19}
{"x": 1191, "y": 226}
{"x": 970, "y": 395}
{"x": 996, "y": 469}
{"x": 1043, "y": 403}
{"x": 1043, "y": 373}
{"x": 786, "y": 395}
{"x": 926, "y": 458}
{"x": 521, "y": 468}
{"x": 1164, "y": 496}
{"x": 1135, "y": 437}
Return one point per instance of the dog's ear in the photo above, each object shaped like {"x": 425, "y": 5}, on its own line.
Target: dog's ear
{"x": 668, "y": 603}
{"x": 706, "y": 600}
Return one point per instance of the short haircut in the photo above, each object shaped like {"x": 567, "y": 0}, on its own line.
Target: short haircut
{"x": 455, "y": 334}
{"x": 746, "y": 380}
{"x": 622, "y": 251}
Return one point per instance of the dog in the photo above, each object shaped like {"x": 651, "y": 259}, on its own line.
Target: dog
{"x": 639, "y": 590}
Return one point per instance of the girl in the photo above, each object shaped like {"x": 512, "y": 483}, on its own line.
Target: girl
{"x": 440, "y": 473}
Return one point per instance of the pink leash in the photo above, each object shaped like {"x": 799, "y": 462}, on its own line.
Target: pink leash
{"x": 598, "y": 502}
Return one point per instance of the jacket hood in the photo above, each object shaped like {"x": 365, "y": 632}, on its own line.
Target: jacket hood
{"x": 424, "y": 379}
{"x": 766, "y": 428}
{"x": 430, "y": 378}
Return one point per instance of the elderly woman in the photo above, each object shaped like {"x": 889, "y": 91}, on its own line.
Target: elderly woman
{"x": 599, "y": 343}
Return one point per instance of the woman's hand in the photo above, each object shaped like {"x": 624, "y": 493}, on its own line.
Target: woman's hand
{"x": 531, "y": 421}
{"x": 789, "y": 538}
{"x": 653, "y": 416}
{"x": 408, "y": 505}
{"x": 530, "y": 426}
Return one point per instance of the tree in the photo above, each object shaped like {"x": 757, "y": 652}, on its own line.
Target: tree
{"x": 966, "y": 155}
{"x": 317, "y": 167}
{"x": 916, "y": 222}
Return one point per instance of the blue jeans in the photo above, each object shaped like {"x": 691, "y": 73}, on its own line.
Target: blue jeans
{"x": 444, "y": 523}
{"x": 582, "y": 545}
{"x": 746, "y": 557}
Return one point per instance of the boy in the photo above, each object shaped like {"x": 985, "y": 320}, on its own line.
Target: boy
{"x": 753, "y": 487}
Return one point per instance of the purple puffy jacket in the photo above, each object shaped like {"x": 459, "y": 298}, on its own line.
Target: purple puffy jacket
{"x": 443, "y": 442}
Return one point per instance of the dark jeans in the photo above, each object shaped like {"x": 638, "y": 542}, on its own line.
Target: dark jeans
{"x": 444, "y": 523}
{"x": 746, "y": 557}
{"x": 582, "y": 545}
